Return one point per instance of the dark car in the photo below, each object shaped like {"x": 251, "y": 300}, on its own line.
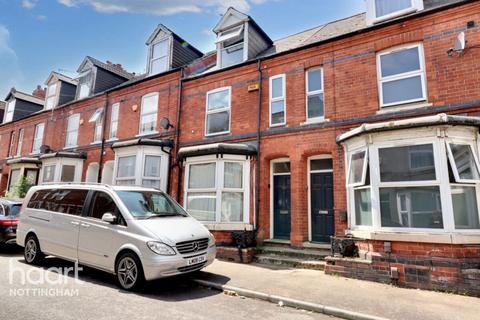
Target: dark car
{"x": 9, "y": 211}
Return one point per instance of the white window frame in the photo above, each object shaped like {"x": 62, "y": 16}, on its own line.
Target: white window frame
{"x": 314, "y": 93}
{"x": 58, "y": 164}
{"x": 442, "y": 181}
{"x": 38, "y": 138}
{"x": 144, "y": 160}
{"x": 114, "y": 119}
{"x": 139, "y": 152}
{"x": 282, "y": 98}
{"x": 9, "y": 111}
{"x": 142, "y": 114}
{"x": 97, "y": 119}
{"x": 21, "y": 135}
{"x": 117, "y": 163}
{"x": 406, "y": 75}
{"x": 151, "y": 59}
{"x": 364, "y": 169}
{"x": 453, "y": 163}
{"x": 84, "y": 91}
{"x": 219, "y": 185}
{"x": 72, "y": 131}
{"x": 416, "y": 5}
{"x": 229, "y": 109}
{"x": 52, "y": 96}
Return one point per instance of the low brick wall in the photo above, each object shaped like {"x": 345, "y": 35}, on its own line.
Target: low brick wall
{"x": 451, "y": 268}
{"x": 236, "y": 255}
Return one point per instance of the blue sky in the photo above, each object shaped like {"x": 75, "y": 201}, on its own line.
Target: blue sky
{"x": 38, "y": 36}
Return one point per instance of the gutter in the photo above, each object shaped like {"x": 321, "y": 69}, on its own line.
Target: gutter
{"x": 257, "y": 168}
{"x": 177, "y": 139}
{"x": 102, "y": 148}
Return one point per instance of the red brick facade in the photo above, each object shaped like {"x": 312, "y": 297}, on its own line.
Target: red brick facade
{"x": 351, "y": 98}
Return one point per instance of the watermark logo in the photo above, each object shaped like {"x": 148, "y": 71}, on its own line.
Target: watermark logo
{"x": 40, "y": 282}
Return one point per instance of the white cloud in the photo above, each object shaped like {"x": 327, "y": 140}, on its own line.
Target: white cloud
{"x": 41, "y": 17}
{"x": 162, "y": 7}
{"x": 29, "y": 4}
{"x": 5, "y": 49}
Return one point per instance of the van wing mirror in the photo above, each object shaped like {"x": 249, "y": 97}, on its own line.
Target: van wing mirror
{"x": 109, "y": 217}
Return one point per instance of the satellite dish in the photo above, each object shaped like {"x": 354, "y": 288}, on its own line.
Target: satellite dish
{"x": 165, "y": 123}
{"x": 460, "y": 42}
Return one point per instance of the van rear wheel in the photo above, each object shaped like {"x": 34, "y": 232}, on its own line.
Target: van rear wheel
{"x": 129, "y": 272}
{"x": 32, "y": 252}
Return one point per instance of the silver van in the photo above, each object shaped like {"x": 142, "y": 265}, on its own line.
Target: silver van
{"x": 135, "y": 233}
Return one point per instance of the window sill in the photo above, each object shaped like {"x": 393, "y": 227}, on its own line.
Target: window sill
{"x": 314, "y": 121}
{"x": 112, "y": 139}
{"x": 94, "y": 143}
{"x": 146, "y": 134}
{"x": 394, "y": 15}
{"x": 404, "y": 107}
{"x": 210, "y": 135}
{"x": 272, "y": 126}
{"x": 70, "y": 147}
{"x": 229, "y": 226}
{"x": 447, "y": 237}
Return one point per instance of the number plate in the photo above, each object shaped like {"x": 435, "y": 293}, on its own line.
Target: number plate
{"x": 196, "y": 260}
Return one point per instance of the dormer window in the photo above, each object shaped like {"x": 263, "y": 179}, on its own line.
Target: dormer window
{"x": 381, "y": 10}
{"x": 9, "y": 111}
{"x": 84, "y": 91}
{"x": 159, "y": 57}
{"x": 231, "y": 43}
{"x": 51, "y": 96}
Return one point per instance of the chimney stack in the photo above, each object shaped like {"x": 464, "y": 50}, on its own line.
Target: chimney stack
{"x": 40, "y": 92}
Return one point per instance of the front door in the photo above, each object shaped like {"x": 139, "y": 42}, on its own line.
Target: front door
{"x": 322, "y": 206}
{"x": 281, "y": 206}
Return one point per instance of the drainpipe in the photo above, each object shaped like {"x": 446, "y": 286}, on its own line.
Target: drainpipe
{"x": 177, "y": 140}
{"x": 102, "y": 148}
{"x": 257, "y": 171}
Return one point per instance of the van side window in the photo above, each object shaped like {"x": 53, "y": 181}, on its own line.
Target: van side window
{"x": 102, "y": 203}
{"x": 59, "y": 200}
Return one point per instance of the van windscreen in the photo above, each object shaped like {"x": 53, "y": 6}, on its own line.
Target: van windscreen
{"x": 150, "y": 204}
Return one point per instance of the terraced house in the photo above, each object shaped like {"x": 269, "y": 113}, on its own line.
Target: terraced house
{"x": 361, "y": 134}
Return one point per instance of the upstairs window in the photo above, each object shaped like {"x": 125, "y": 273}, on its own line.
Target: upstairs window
{"x": 114, "y": 121}
{"x": 315, "y": 101}
{"x": 9, "y": 111}
{"x": 51, "y": 96}
{"x": 381, "y": 10}
{"x": 218, "y": 111}
{"x": 21, "y": 133}
{"x": 401, "y": 74}
{"x": 97, "y": 118}
{"x": 277, "y": 100}
{"x": 159, "y": 57}
{"x": 38, "y": 138}
{"x": 231, "y": 45}
{"x": 148, "y": 116}
{"x": 72, "y": 131}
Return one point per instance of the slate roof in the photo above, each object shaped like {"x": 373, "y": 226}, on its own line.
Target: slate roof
{"x": 110, "y": 68}
{"x": 24, "y": 96}
{"x": 61, "y": 77}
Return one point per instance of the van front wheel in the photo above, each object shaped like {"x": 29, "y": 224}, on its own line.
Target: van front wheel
{"x": 129, "y": 272}
{"x": 32, "y": 252}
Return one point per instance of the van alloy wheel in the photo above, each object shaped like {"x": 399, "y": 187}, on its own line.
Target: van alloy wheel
{"x": 127, "y": 272}
{"x": 30, "y": 250}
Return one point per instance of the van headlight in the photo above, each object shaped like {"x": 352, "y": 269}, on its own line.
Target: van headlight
{"x": 161, "y": 248}
{"x": 211, "y": 240}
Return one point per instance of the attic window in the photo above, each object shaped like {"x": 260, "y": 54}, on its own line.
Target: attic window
{"x": 84, "y": 91}
{"x": 51, "y": 95}
{"x": 9, "y": 111}
{"x": 231, "y": 46}
{"x": 159, "y": 57}
{"x": 381, "y": 10}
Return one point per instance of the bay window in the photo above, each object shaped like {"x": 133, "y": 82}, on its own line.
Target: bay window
{"x": 401, "y": 75}
{"x": 315, "y": 98}
{"x": 216, "y": 191}
{"x": 217, "y": 120}
{"x": 414, "y": 180}
{"x": 148, "y": 114}
{"x": 277, "y": 100}
{"x": 141, "y": 165}
{"x": 61, "y": 169}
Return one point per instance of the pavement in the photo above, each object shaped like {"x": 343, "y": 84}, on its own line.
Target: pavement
{"x": 356, "y": 296}
{"x": 50, "y": 295}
